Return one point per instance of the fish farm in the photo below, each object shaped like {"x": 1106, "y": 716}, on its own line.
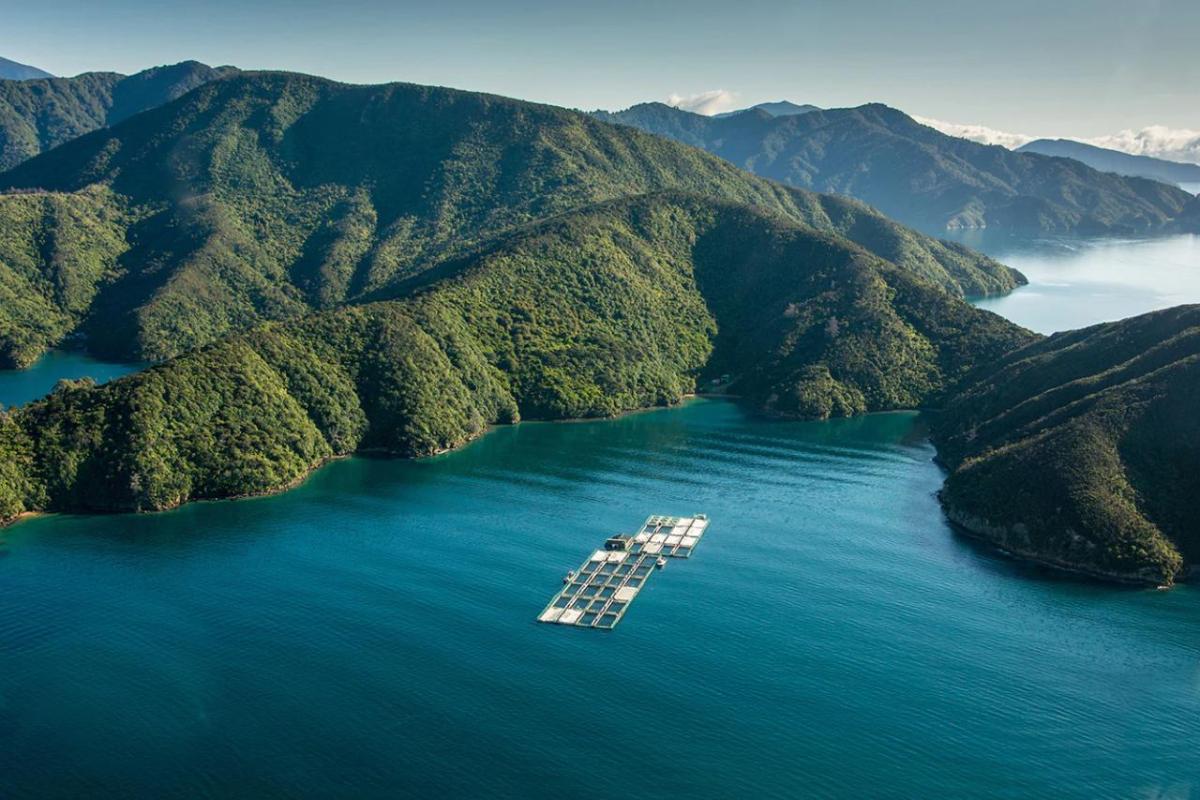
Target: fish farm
{"x": 598, "y": 594}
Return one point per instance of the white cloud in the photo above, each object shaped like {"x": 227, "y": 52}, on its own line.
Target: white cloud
{"x": 707, "y": 103}
{"x": 977, "y": 133}
{"x": 1175, "y": 144}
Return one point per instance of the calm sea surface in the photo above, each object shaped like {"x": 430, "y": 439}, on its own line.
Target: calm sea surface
{"x": 18, "y": 387}
{"x": 371, "y": 633}
{"x": 1078, "y": 282}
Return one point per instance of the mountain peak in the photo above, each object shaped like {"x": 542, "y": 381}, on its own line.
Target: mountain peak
{"x": 15, "y": 71}
{"x": 777, "y": 108}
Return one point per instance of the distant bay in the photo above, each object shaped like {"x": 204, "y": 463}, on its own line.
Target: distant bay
{"x": 1074, "y": 282}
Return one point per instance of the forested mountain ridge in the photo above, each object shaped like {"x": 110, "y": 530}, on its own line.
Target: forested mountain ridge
{"x": 265, "y": 195}
{"x": 916, "y": 174}
{"x": 37, "y": 115}
{"x": 1081, "y": 450}
{"x": 617, "y": 306}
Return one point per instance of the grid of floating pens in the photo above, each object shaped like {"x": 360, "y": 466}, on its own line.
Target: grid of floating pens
{"x": 669, "y": 536}
{"x": 601, "y": 590}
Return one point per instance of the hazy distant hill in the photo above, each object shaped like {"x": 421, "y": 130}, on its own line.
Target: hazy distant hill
{"x": 36, "y": 115}
{"x": 916, "y": 174}
{"x": 1107, "y": 160}
{"x": 780, "y": 108}
{"x": 13, "y": 71}
{"x": 264, "y": 195}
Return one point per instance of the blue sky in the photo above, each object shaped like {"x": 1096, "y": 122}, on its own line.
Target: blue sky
{"x": 1052, "y": 66}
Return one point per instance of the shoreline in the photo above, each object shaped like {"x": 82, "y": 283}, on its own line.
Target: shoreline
{"x": 959, "y": 521}
{"x": 1030, "y": 558}
{"x": 22, "y": 517}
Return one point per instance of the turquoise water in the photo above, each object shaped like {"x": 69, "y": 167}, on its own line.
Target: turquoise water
{"x": 18, "y": 387}
{"x": 371, "y": 633}
{"x": 1076, "y": 282}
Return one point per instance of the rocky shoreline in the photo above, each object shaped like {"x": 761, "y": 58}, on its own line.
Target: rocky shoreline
{"x": 1005, "y": 539}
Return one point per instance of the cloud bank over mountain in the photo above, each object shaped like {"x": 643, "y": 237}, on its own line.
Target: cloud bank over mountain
{"x": 1174, "y": 144}
{"x": 714, "y": 101}
{"x": 1158, "y": 141}
{"x": 977, "y": 133}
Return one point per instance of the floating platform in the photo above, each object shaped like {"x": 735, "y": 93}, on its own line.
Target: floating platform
{"x": 599, "y": 593}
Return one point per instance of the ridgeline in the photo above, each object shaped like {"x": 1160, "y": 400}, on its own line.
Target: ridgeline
{"x": 262, "y": 196}
{"x": 37, "y": 115}
{"x": 918, "y": 175}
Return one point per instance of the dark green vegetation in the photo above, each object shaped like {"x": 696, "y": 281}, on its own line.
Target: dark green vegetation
{"x": 1106, "y": 160}
{"x": 14, "y": 71}
{"x": 616, "y": 307}
{"x": 918, "y": 175}
{"x": 79, "y": 237}
{"x": 36, "y": 115}
{"x": 1082, "y": 450}
{"x": 263, "y": 196}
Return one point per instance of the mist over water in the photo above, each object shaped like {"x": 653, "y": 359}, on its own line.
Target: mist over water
{"x": 372, "y": 634}
{"x": 1076, "y": 282}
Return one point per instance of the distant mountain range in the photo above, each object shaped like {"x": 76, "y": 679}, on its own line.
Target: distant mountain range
{"x": 39, "y": 114}
{"x": 1106, "y": 160}
{"x": 918, "y": 175}
{"x": 13, "y": 71}
{"x": 781, "y": 108}
{"x": 1181, "y": 145}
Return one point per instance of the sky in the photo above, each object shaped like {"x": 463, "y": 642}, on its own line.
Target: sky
{"x": 1051, "y": 67}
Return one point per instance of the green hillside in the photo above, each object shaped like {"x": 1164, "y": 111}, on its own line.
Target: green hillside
{"x": 1081, "y": 450}
{"x": 37, "y": 115}
{"x": 918, "y": 175}
{"x": 619, "y": 306}
{"x": 263, "y": 196}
